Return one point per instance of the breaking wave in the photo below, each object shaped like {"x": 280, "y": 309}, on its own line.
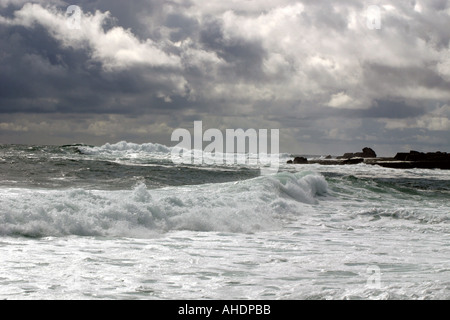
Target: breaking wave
{"x": 125, "y": 149}
{"x": 244, "y": 206}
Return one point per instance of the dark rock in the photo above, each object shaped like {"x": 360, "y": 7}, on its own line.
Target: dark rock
{"x": 328, "y": 157}
{"x": 416, "y": 157}
{"x": 353, "y": 161}
{"x": 415, "y": 164}
{"x": 367, "y": 153}
{"x": 347, "y": 155}
{"x": 420, "y": 156}
{"x": 401, "y": 156}
{"x": 289, "y": 162}
{"x": 413, "y": 159}
{"x": 300, "y": 160}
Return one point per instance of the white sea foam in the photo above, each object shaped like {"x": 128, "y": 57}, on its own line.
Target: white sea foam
{"x": 124, "y": 149}
{"x": 293, "y": 235}
{"x": 245, "y": 206}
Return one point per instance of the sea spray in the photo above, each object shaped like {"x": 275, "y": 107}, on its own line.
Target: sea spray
{"x": 208, "y": 207}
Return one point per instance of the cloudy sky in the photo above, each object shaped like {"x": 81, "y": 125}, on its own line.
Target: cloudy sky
{"x": 333, "y": 76}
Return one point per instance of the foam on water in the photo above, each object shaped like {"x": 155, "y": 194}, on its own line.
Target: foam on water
{"x": 245, "y": 206}
{"x": 131, "y": 150}
{"x": 123, "y": 147}
{"x": 119, "y": 229}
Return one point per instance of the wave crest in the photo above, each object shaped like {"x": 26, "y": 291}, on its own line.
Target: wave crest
{"x": 124, "y": 147}
{"x": 245, "y": 206}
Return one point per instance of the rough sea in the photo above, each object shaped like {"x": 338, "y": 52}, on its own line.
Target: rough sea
{"x": 122, "y": 221}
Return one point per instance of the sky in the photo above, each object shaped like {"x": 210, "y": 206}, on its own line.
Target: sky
{"x": 332, "y": 76}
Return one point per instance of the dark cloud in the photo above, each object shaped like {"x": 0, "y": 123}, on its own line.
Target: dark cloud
{"x": 392, "y": 109}
{"x": 244, "y": 58}
{"x": 311, "y": 68}
{"x": 182, "y": 25}
{"x": 40, "y": 75}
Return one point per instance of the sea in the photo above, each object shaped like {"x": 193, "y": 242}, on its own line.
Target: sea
{"x": 123, "y": 221}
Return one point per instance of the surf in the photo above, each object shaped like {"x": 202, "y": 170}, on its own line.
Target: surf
{"x": 246, "y": 206}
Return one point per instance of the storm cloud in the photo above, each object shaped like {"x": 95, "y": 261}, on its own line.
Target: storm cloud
{"x": 137, "y": 70}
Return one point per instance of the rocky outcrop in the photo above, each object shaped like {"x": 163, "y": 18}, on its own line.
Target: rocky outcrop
{"x": 421, "y": 156}
{"x": 402, "y": 160}
{"x": 353, "y": 161}
{"x": 300, "y": 160}
{"x": 366, "y": 153}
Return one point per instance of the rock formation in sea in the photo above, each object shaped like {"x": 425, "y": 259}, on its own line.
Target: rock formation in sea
{"x": 366, "y": 153}
{"x": 300, "y": 160}
{"x": 402, "y": 160}
{"x": 421, "y": 156}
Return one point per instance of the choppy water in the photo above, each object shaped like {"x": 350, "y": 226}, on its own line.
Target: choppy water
{"x": 121, "y": 221}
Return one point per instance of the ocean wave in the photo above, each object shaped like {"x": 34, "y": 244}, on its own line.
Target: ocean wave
{"x": 394, "y": 198}
{"x": 148, "y": 150}
{"x": 419, "y": 215}
{"x": 124, "y": 147}
{"x": 245, "y": 206}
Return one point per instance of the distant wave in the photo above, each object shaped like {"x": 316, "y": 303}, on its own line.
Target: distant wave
{"x": 124, "y": 148}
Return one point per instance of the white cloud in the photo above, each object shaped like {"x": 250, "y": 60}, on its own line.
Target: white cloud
{"x": 437, "y": 120}
{"x": 115, "y": 48}
{"x": 324, "y": 57}
{"x": 340, "y": 100}
{"x": 311, "y": 51}
{"x": 17, "y": 3}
